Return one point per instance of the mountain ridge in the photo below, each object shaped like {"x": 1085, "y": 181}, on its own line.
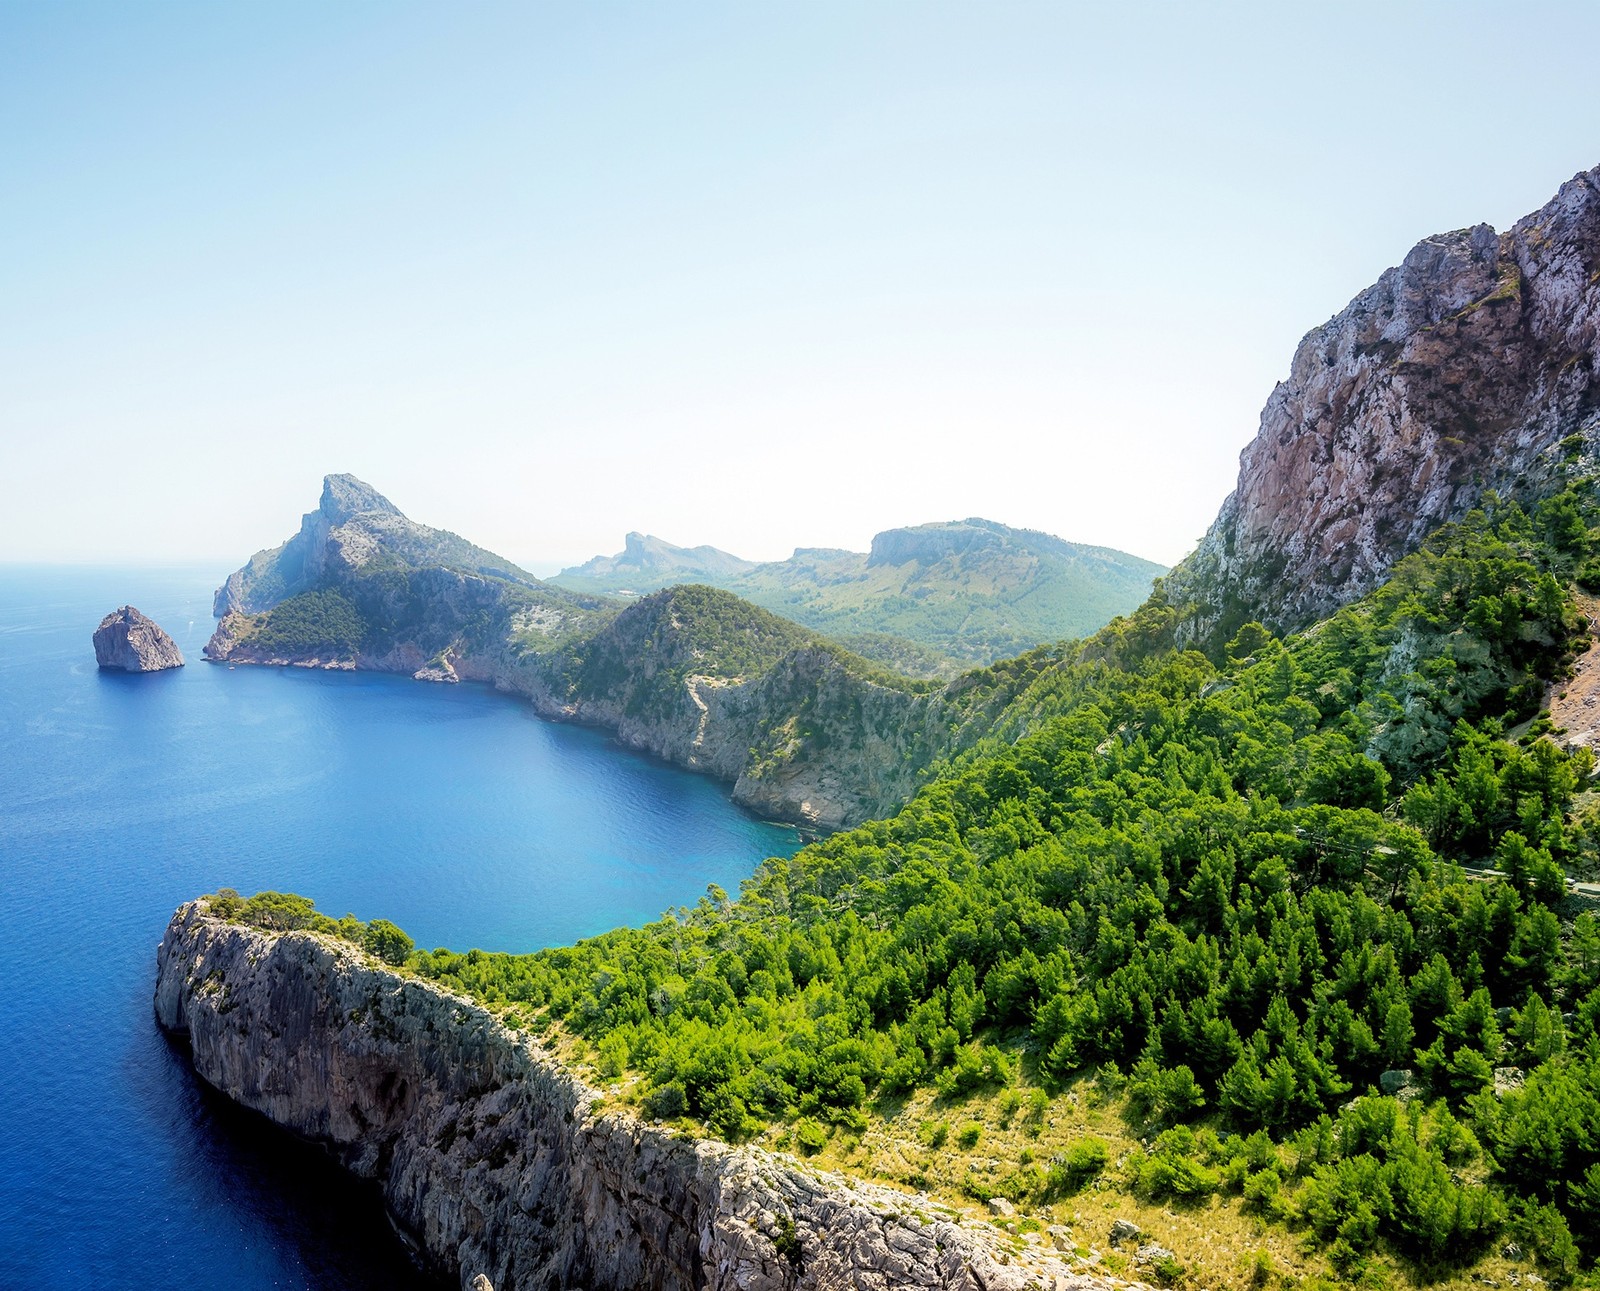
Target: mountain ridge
{"x": 973, "y": 591}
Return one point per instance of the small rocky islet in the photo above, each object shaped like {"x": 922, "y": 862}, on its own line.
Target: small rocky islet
{"x": 128, "y": 641}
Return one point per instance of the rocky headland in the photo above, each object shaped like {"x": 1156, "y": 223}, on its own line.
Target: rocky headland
{"x": 500, "y": 1164}
{"x": 127, "y": 641}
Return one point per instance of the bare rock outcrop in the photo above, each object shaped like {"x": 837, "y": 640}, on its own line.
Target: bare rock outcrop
{"x": 1471, "y": 366}
{"x": 502, "y": 1165}
{"x": 127, "y": 641}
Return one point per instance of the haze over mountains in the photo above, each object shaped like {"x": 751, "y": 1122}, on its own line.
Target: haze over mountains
{"x": 970, "y": 591}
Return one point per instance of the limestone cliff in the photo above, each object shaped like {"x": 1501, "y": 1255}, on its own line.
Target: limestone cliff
{"x": 354, "y": 528}
{"x": 502, "y": 1164}
{"x": 1468, "y": 367}
{"x": 127, "y": 641}
{"x": 647, "y": 563}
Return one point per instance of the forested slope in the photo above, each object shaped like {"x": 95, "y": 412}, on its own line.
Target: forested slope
{"x": 1225, "y": 902}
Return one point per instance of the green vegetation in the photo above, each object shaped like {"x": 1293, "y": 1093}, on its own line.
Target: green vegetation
{"x": 900, "y": 654}
{"x": 1288, "y": 911}
{"x": 926, "y": 600}
{"x": 287, "y": 912}
{"x": 322, "y": 623}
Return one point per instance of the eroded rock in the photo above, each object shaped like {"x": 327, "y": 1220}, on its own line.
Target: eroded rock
{"x": 1472, "y": 365}
{"x": 1125, "y": 1230}
{"x": 128, "y": 641}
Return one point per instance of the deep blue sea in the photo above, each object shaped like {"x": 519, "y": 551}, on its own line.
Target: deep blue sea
{"x": 451, "y": 810}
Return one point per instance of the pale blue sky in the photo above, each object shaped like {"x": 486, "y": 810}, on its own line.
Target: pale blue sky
{"x": 756, "y": 275}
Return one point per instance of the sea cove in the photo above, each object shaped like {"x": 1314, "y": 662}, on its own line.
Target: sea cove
{"x": 449, "y": 809}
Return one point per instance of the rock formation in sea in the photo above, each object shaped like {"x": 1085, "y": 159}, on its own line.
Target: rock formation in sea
{"x": 501, "y": 1164}
{"x": 1473, "y": 365}
{"x": 128, "y": 641}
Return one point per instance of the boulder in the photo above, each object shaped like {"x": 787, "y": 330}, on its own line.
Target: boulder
{"x": 1392, "y": 1082}
{"x": 1507, "y": 1080}
{"x": 128, "y": 641}
{"x": 1152, "y": 1253}
{"x": 1125, "y": 1230}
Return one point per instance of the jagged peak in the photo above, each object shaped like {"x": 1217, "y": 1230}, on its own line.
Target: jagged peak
{"x": 345, "y": 497}
{"x": 1463, "y": 368}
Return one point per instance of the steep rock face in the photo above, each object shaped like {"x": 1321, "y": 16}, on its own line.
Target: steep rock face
{"x": 354, "y": 526}
{"x": 128, "y": 641}
{"x": 502, "y": 1164}
{"x": 930, "y": 543}
{"x": 1463, "y": 369}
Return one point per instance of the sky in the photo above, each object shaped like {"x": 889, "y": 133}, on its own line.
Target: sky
{"x": 754, "y": 275}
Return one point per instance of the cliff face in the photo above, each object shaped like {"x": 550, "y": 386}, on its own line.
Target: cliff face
{"x": 501, "y": 1164}
{"x": 1463, "y": 369}
{"x": 354, "y": 528}
{"x": 646, "y": 563}
{"x": 127, "y": 641}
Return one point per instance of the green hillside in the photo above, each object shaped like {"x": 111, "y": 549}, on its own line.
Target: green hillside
{"x": 1273, "y": 951}
{"x": 965, "y": 592}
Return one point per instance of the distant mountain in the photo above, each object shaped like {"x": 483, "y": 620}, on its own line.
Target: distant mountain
{"x": 647, "y": 564}
{"x": 355, "y": 528}
{"x": 968, "y": 591}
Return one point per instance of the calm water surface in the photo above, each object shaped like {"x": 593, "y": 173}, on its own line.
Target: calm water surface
{"x": 450, "y": 810}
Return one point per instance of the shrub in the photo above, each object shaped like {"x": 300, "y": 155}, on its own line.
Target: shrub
{"x": 225, "y": 903}
{"x": 1170, "y": 1171}
{"x": 278, "y": 911}
{"x": 1038, "y": 1105}
{"x": 1072, "y": 1170}
{"x": 666, "y": 1102}
{"x": 809, "y": 1136}
{"x": 387, "y": 942}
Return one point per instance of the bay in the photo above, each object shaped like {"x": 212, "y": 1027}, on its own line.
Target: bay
{"x": 450, "y": 810}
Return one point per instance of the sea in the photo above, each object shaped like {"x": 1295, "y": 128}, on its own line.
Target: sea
{"x": 451, "y": 810}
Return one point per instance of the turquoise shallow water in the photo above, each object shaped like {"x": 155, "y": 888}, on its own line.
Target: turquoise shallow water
{"x": 450, "y": 810}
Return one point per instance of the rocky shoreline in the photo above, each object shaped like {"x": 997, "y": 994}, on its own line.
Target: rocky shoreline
{"x": 505, "y": 1168}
